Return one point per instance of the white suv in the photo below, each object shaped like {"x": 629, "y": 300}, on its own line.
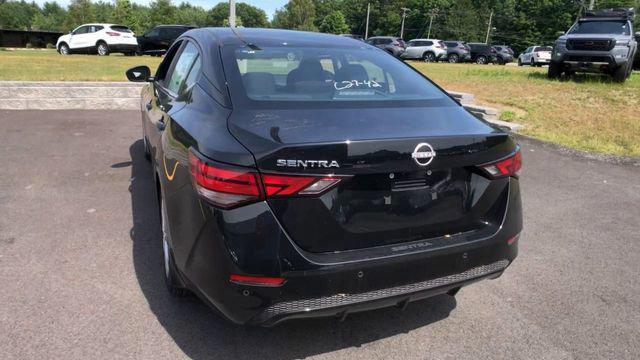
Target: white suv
{"x": 535, "y": 56}
{"x": 426, "y": 49}
{"x": 98, "y": 38}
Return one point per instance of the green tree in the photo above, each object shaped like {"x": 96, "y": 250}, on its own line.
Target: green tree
{"x": 17, "y": 15}
{"x": 123, "y": 14}
{"x": 334, "y": 23}
{"x": 297, "y": 15}
{"x": 162, "y": 12}
{"x": 103, "y": 11}
{"x": 79, "y": 12}
{"x": 51, "y": 18}
{"x": 250, "y": 16}
{"x": 188, "y": 14}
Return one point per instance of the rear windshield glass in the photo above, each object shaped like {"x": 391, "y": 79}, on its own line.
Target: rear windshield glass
{"x": 543, "y": 48}
{"x": 120, "y": 28}
{"x": 601, "y": 27}
{"x": 334, "y": 74}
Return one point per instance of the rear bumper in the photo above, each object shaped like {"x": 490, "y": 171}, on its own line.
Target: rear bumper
{"x": 340, "y": 305}
{"x": 328, "y": 284}
{"x": 123, "y": 48}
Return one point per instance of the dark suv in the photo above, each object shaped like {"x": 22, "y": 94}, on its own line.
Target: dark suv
{"x": 482, "y": 53}
{"x": 601, "y": 42}
{"x": 504, "y": 54}
{"x": 157, "y": 40}
{"x": 457, "y": 51}
{"x": 393, "y": 45}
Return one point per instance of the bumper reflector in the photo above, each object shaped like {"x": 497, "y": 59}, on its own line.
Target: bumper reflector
{"x": 256, "y": 280}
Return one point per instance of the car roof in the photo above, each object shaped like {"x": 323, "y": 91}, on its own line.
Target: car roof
{"x": 420, "y": 39}
{"x": 187, "y": 26}
{"x": 268, "y": 37}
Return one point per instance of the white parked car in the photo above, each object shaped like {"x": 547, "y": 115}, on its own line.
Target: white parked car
{"x": 535, "y": 56}
{"x": 100, "y": 39}
{"x": 426, "y": 49}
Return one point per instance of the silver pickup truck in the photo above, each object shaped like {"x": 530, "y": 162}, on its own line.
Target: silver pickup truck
{"x": 601, "y": 42}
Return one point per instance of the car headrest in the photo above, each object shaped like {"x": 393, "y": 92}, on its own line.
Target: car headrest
{"x": 352, "y": 72}
{"x": 259, "y": 83}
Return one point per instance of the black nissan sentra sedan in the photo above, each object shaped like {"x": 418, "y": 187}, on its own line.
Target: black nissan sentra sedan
{"x": 305, "y": 175}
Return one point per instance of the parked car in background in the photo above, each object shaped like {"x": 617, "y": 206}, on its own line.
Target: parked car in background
{"x": 157, "y": 40}
{"x": 535, "y": 56}
{"x": 357, "y": 37}
{"x": 426, "y": 49}
{"x": 393, "y": 45}
{"x": 287, "y": 189}
{"x": 636, "y": 62}
{"x": 457, "y": 51}
{"x": 101, "y": 39}
{"x": 601, "y": 42}
{"x": 504, "y": 54}
{"x": 482, "y": 53}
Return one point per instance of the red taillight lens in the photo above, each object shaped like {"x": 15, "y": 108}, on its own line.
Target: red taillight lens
{"x": 506, "y": 167}
{"x": 227, "y": 186}
{"x": 256, "y": 280}
{"x": 111, "y": 33}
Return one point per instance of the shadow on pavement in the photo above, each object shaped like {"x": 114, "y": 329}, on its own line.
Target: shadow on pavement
{"x": 201, "y": 333}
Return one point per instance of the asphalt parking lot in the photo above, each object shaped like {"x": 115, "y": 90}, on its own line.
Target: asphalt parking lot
{"x": 81, "y": 268}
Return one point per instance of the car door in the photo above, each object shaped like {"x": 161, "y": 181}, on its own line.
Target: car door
{"x": 79, "y": 38}
{"x": 526, "y": 56}
{"x": 152, "y": 40}
{"x": 175, "y": 93}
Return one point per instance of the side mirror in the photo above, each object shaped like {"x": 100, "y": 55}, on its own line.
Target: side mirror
{"x": 139, "y": 74}
{"x": 638, "y": 34}
{"x": 72, "y": 32}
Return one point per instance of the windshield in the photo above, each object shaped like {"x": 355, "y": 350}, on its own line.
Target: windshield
{"x": 601, "y": 27}
{"x": 333, "y": 74}
{"x": 543, "y": 48}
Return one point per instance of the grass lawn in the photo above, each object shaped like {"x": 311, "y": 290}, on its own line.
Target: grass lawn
{"x": 587, "y": 112}
{"x": 48, "y": 65}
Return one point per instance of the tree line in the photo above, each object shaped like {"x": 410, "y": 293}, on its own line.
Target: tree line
{"x": 518, "y": 23}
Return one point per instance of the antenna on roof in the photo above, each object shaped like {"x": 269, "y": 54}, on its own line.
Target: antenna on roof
{"x": 248, "y": 44}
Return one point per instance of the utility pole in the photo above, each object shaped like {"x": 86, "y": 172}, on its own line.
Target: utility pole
{"x": 404, "y": 14}
{"x": 366, "y": 27}
{"x": 433, "y": 13}
{"x": 489, "y": 28}
{"x": 232, "y": 13}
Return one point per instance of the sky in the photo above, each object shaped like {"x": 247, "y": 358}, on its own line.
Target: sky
{"x": 269, "y": 6}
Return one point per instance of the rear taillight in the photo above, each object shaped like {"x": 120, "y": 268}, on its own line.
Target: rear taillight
{"x": 228, "y": 186}
{"x": 505, "y": 167}
{"x": 111, "y": 33}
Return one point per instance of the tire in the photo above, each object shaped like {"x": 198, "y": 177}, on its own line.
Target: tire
{"x": 63, "y": 49}
{"x": 554, "y": 71}
{"x": 147, "y": 153}
{"x": 453, "y": 58}
{"x": 519, "y": 62}
{"x": 621, "y": 74}
{"x": 429, "y": 57}
{"x": 533, "y": 63}
{"x": 500, "y": 61}
{"x": 171, "y": 278}
{"x": 481, "y": 60}
{"x": 102, "y": 48}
